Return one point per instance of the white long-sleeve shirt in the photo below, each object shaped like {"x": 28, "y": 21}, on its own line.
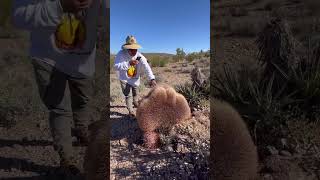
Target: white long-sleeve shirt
{"x": 42, "y": 18}
{"x": 121, "y": 64}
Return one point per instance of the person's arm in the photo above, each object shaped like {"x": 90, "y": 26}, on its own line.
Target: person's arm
{"x": 147, "y": 68}
{"x": 42, "y": 14}
{"x": 120, "y": 64}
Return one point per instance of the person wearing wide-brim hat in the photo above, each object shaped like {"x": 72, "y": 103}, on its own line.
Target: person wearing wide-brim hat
{"x": 129, "y": 63}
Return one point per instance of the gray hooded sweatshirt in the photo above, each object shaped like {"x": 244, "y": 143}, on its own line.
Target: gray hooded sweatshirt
{"x": 42, "y": 18}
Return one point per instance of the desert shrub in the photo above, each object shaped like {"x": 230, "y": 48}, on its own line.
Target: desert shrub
{"x": 163, "y": 63}
{"x": 193, "y": 56}
{"x": 191, "y": 93}
{"x": 112, "y": 70}
{"x": 195, "y": 94}
{"x": 180, "y": 55}
{"x": 158, "y": 61}
{"x": 254, "y": 98}
{"x": 305, "y": 78}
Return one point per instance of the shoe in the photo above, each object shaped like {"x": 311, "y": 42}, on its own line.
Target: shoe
{"x": 135, "y": 104}
{"x": 132, "y": 114}
{"x": 67, "y": 165}
{"x": 67, "y": 172}
{"x": 82, "y": 136}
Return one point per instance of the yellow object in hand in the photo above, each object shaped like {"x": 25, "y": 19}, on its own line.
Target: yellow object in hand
{"x": 131, "y": 71}
{"x": 70, "y": 32}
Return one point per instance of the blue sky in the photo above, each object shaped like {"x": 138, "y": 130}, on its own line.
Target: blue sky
{"x": 161, "y": 25}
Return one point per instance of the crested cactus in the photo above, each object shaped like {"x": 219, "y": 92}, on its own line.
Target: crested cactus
{"x": 97, "y": 157}
{"x": 234, "y": 153}
{"x": 163, "y": 107}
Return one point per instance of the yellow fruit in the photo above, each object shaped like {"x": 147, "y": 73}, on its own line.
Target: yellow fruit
{"x": 70, "y": 31}
{"x": 131, "y": 71}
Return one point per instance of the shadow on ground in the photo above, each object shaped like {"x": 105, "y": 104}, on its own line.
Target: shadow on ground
{"x": 9, "y": 143}
{"x": 162, "y": 165}
{"x": 45, "y": 172}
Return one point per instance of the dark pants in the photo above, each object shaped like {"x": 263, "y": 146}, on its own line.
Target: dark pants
{"x": 67, "y": 98}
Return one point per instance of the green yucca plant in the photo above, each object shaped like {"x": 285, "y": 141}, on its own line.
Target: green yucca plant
{"x": 229, "y": 84}
{"x": 192, "y": 94}
{"x": 306, "y": 76}
{"x": 245, "y": 87}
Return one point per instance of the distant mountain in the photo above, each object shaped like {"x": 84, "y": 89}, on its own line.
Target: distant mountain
{"x": 147, "y": 55}
{"x": 158, "y": 54}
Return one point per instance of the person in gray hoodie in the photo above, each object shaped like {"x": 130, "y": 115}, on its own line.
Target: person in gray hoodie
{"x": 63, "y": 35}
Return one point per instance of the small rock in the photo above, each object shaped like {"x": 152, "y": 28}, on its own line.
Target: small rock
{"x": 272, "y": 150}
{"x": 267, "y": 177}
{"x": 169, "y": 148}
{"x": 123, "y": 142}
{"x": 74, "y": 139}
{"x": 285, "y": 153}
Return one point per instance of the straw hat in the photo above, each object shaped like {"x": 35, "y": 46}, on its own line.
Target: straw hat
{"x": 131, "y": 43}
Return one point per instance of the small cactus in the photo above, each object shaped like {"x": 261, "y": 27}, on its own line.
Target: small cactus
{"x": 163, "y": 107}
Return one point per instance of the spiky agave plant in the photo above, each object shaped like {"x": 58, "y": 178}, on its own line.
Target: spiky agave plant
{"x": 306, "y": 78}
{"x": 191, "y": 93}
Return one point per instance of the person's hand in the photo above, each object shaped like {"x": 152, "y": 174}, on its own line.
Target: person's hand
{"x": 153, "y": 83}
{"x": 133, "y": 62}
{"x": 75, "y": 5}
